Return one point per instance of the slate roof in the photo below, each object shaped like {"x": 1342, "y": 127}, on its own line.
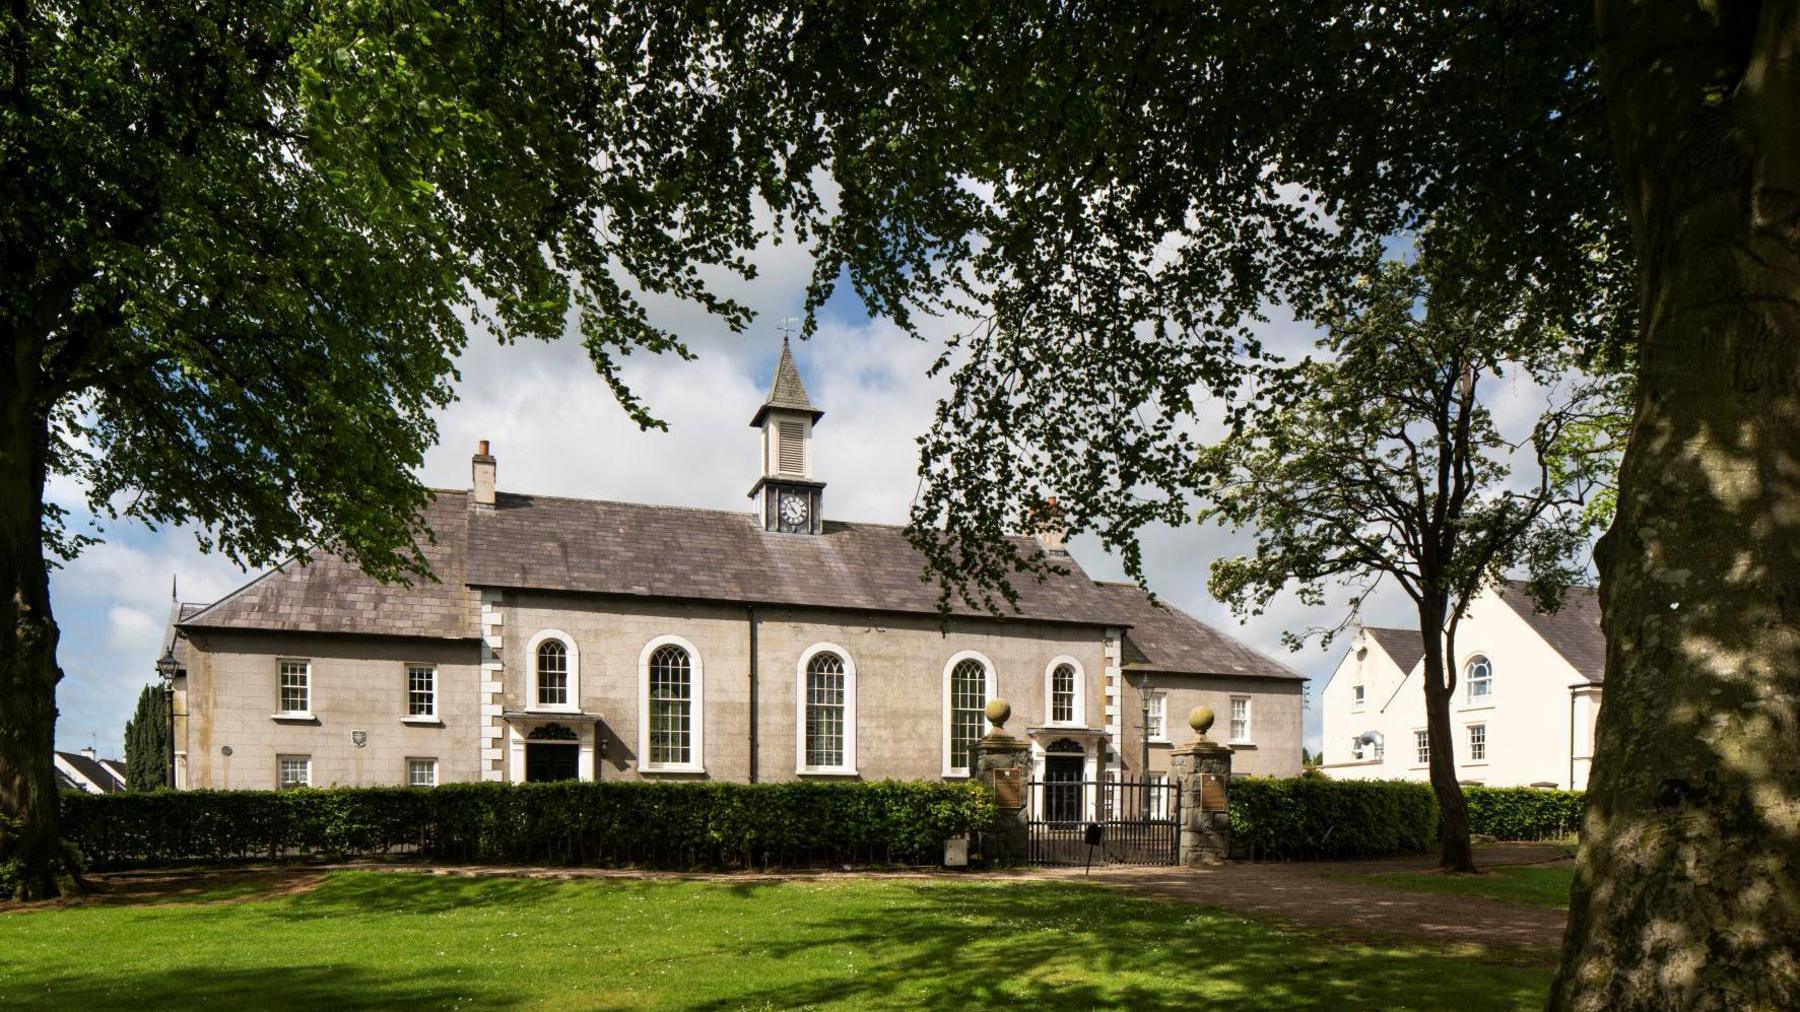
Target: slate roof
{"x": 1404, "y": 646}
{"x": 1165, "y": 639}
{"x": 331, "y": 595}
{"x": 599, "y": 547}
{"x": 63, "y": 781}
{"x": 116, "y": 768}
{"x": 1573, "y": 631}
{"x": 786, "y": 392}
{"x": 93, "y": 771}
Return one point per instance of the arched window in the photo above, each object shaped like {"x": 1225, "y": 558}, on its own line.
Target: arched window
{"x": 1063, "y": 684}
{"x": 968, "y": 685}
{"x": 671, "y": 706}
{"x": 1479, "y": 673}
{"x": 552, "y": 674}
{"x": 826, "y": 697}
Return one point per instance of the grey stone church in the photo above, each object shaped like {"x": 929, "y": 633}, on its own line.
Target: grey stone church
{"x": 579, "y": 638}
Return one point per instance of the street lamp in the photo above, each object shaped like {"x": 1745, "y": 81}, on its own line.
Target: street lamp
{"x": 166, "y": 668}
{"x": 1144, "y": 767}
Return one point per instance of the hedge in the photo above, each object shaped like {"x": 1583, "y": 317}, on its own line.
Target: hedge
{"x": 669, "y": 825}
{"x": 1523, "y": 813}
{"x": 1308, "y": 818}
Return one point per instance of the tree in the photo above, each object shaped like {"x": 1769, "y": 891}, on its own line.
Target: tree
{"x": 242, "y": 243}
{"x": 1384, "y": 462}
{"x": 147, "y": 742}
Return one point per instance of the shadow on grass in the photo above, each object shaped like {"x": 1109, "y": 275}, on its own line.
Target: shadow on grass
{"x": 330, "y": 986}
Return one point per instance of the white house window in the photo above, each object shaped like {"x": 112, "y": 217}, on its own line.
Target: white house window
{"x": 1157, "y": 786}
{"x": 552, "y": 674}
{"x": 1422, "y": 747}
{"x": 1156, "y": 717}
{"x": 1477, "y": 742}
{"x": 1062, "y": 694}
{"x": 293, "y": 771}
{"x": 296, "y": 687}
{"x": 1240, "y": 718}
{"x": 1480, "y": 675}
{"x": 968, "y": 684}
{"x": 827, "y": 717}
{"x": 421, "y": 690}
{"x": 1356, "y": 697}
{"x": 421, "y": 772}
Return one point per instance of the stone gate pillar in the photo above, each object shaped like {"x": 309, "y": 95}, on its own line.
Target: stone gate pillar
{"x": 1003, "y": 763}
{"x": 1202, "y": 770}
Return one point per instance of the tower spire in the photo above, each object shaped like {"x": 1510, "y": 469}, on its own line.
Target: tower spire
{"x": 786, "y": 392}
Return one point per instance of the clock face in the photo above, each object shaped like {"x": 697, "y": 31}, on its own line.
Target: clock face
{"x": 793, "y": 510}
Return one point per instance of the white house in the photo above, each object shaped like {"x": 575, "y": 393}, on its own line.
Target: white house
{"x": 1527, "y": 693}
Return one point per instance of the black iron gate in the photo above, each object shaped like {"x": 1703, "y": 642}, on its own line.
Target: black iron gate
{"x": 1139, "y": 821}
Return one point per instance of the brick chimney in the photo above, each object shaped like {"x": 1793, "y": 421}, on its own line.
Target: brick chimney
{"x": 1049, "y": 530}
{"x": 481, "y": 466}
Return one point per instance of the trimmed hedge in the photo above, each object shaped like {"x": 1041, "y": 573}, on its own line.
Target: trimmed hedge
{"x": 1523, "y": 813}
{"x": 669, "y": 825}
{"x": 1308, "y": 818}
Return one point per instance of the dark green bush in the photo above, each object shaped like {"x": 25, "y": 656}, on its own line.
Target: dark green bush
{"x": 1523, "y": 813}
{"x": 1308, "y": 819}
{"x": 670, "y": 825}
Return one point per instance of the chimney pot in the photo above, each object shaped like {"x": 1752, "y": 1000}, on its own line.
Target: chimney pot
{"x": 1051, "y": 535}
{"x": 482, "y": 468}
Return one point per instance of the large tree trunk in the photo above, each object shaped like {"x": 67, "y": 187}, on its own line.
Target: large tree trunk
{"x": 1454, "y": 850}
{"x": 1686, "y": 891}
{"x": 29, "y": 844}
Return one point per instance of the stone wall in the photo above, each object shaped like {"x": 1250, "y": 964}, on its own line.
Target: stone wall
{"x": 357, "y": 684}
{"x": 1276, "y": 730}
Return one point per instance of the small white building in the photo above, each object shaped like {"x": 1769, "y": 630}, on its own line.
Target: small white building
{"x": 1527, "y": 693}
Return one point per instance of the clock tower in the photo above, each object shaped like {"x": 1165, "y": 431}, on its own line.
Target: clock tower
{"x": 786, "y": 496}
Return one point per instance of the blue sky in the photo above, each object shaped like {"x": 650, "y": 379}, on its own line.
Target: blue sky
{"x": 555, "y": 430}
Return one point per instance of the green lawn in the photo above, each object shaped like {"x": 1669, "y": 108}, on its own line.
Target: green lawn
{"x": 373, "y": 938}
{"x": 1537, "y": 886}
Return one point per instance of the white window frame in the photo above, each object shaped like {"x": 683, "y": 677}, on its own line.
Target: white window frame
{"x": 1421, "y": 744}
{"x": 1482, "y": 744}
{"x": 430, "y": 716}
{"x": 1159, "y": 706}
{"x": 282, "y": 712}
{"x": 1469, "y": 696}
{"x": 282, "y": 759}
{"x": 1358, "y": 693}
{"x": 1159, "y": 798}
{"x": 1249, "y": 735}
{"x": 696, "y": 712}
{"x": 531, "y": 664}
{"x": 428, "y": 761}
{"x": 1078, "y": 706}
{"x": 848, "y": 767}
{"x": 988, "y": 688}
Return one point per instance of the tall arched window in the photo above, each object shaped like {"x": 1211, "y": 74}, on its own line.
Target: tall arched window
{"x": 1062, "y": 694}
{"x": 671, "y": 707}
{"x": 968, "y": 685}
{"x": 825, "y": 701}
{"x": 1479, "y": 674}
{"x": 552, "y": 674}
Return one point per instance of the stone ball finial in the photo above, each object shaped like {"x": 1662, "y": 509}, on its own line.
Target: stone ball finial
{"x": 1200, "y": 718}
{"x": 998, "y": 710}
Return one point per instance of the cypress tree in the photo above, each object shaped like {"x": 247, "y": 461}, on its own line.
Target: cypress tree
{"x": 146, "y": 742}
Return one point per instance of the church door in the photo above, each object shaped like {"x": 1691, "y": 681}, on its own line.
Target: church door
{"x": 1062, "y": 787}
{"x": 551, "y": 761}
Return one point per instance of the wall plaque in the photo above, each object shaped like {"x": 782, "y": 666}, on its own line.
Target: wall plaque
{"x": 1007, "y": 792}
{"x": 1212, "y": 792}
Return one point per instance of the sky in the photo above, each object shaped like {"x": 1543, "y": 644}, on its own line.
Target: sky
{"x": 556, "y": 430}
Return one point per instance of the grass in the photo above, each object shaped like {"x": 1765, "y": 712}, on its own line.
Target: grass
{"x": 371, "y": 938}
{"x": 1536, "y": 886}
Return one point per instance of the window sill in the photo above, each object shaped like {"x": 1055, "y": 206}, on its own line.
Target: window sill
{"x": 551, "y": 710}
{"x": 1160, "y": 741}
{"x": 953, "y": 774}
{"x": 423, "y": 720}
{"x": 1466, "y": 707}
{"x": 1476, "y": 762}
{"x": 673, "y": 768}
{"x": 826, "y": 771}
{"x": 1241, "y": 744}
{"x": 295, "y": 716}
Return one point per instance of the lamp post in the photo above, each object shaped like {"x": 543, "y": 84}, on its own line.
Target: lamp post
{"x": 166, "y": 667}
{"x": 1144, "y": 766}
